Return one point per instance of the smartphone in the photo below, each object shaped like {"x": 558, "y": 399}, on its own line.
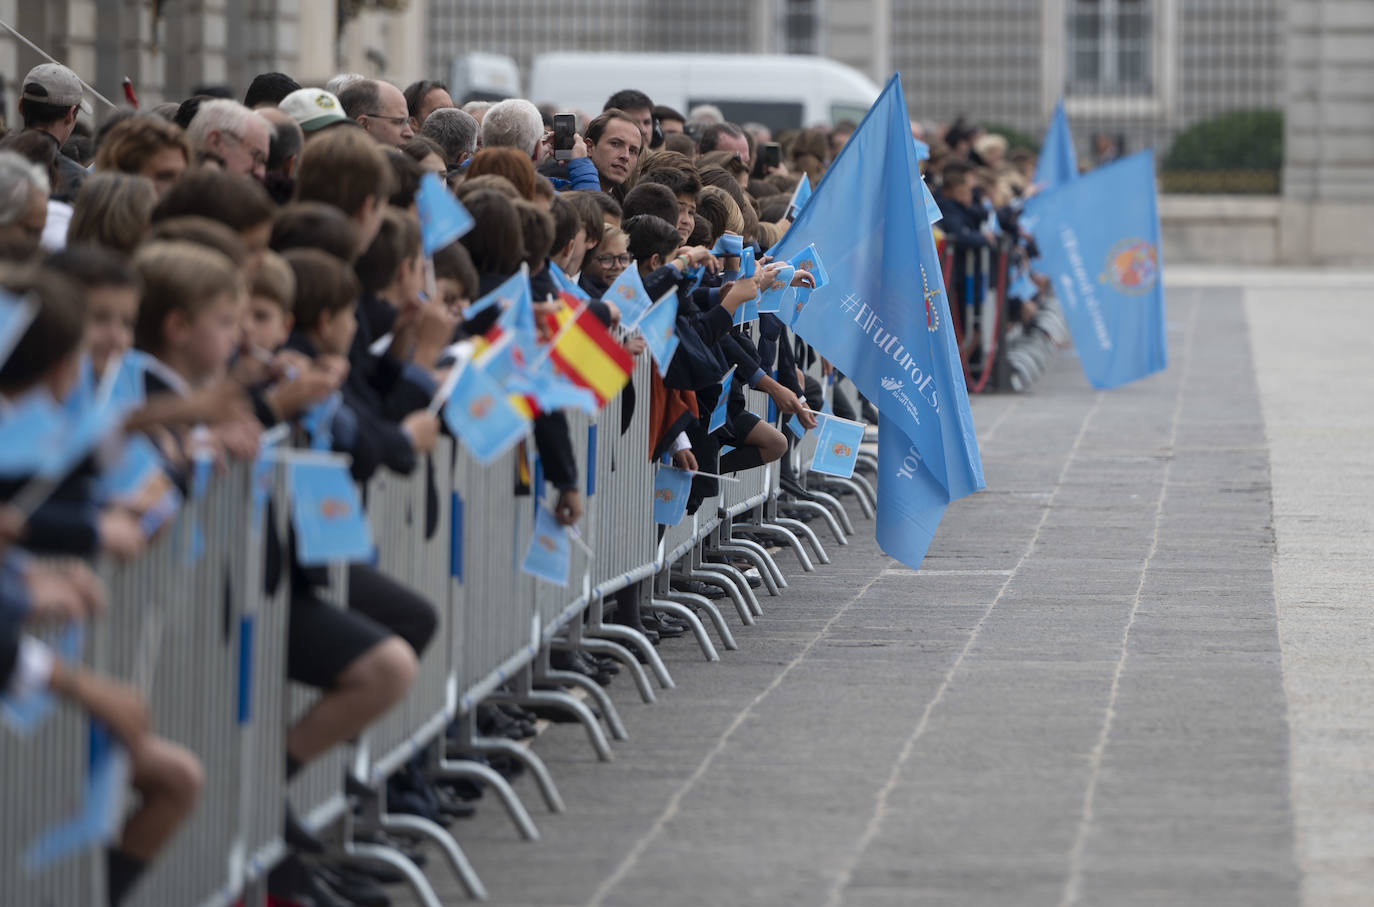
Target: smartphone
{"x": 564, "y": 128}
{"x": 772, "y": 156}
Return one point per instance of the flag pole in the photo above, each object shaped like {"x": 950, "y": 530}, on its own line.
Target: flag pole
{"x": 44, "y": 54}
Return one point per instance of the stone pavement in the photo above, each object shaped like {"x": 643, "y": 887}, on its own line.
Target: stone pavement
{"x": 1079, "y": 698}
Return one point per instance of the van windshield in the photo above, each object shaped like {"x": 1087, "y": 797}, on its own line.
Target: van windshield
{"x": 773, "y": 114}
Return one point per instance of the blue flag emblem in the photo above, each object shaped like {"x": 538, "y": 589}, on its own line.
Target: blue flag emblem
{"x": 658, "y": 327}
{"x": 1058, "y": 163}
{"x": 479, "y": 413}
{"x": 672, "y": 487}
{"x": 629, "y": 295}
{"x": 1099, "y": 243}
{"x": 549, "y": 551}
{"x": 443, "y": 219}
{"x": 718, "y": 414}
{"x": 327, "y": 514}
{"x": 837, "y": 446}
{"x": 880, "y": 314}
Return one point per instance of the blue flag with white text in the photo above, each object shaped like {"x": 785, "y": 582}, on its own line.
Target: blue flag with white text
{"x": 882, "y": 319}
{"x": 1099, "y": 243}
{"x": 327, "y": 513}
{"x": 1058, "y": 163}
{"x": 443, "y": 219}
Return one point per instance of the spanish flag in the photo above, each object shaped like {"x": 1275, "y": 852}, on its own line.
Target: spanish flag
{"x": 588, "y": 356}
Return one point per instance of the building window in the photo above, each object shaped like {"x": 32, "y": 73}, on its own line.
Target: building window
{"x": 800, "y": 26}
{"x": 1110, "y": 47}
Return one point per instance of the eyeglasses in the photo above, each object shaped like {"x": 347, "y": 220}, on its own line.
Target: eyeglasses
{"x": 258, "y": 156}
{"x": 607, "y": 260}
{"x": 394, "y": 121}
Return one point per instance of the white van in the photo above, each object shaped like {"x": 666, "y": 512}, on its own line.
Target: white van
{"x": 782, "y": 91}
{"x": 483, "y": 77}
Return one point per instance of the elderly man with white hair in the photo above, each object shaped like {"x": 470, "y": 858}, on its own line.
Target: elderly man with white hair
{"x": 517, "y": 123}
{"x": 232, "y": 136}
{"x": 23, "y": 206}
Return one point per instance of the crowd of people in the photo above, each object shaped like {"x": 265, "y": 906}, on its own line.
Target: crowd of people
{"x": 242, "y": 262}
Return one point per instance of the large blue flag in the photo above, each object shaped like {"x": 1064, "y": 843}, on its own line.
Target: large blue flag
{"x": 479, "y": 413}
{"x": 883, "y": 319}
{"x": 629, "y": 295}
{"x": 1058, "y": 163}
{"x": 1099, "y": 242}
{"x": 327, "y": 513}
{"x": 658, "y": 327}
{"x": 443, "y": 219}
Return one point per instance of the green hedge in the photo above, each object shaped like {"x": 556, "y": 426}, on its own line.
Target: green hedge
{"x": 1239, "y": 140}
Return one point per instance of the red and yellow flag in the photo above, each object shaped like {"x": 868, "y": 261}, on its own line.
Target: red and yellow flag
{"x": 588, "y": 356}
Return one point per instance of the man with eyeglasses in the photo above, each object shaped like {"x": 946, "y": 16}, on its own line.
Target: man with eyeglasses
{"x": 380, "y": 108}
{"x": 227, "y": 134}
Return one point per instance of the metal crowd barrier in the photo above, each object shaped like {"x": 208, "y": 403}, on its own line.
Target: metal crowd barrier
{"x": 197, "y": 621}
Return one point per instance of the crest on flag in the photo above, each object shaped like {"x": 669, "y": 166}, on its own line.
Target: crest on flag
{"x": 1132, "y": 266}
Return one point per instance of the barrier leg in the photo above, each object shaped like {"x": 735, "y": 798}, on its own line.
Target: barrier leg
{"x": 688, "y": 615}
{"x": 524, "y": 694}
{"x": 805, "y": 531}
{"x": 753, "y": 551}
{"x": 866, "y": 486}
{"x": 593, "y": 690}
{"x": 527, "y": 757}
{"x": 832, "y": 503}
{"x": 700, "y": 602}
{"x": 824, "y": 514}
{"x": 859, "y": 491}
{"x": 446, "y": 844}
{"x": 730, "y": 550}
{"x": 746, "y": 615}
{"x": 773, "y": 530}
{"x": 424, "y": 892}
{"x": 741, "y": 582}
{"x": 444, "y": 767}
{"x": 627, "y": 658}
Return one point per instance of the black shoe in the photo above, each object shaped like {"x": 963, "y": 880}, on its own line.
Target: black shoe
{"x": 664, "y": 629}
{"x": 382, "y": 873}
{"x": 467, "y": 789}
{"x": 453, "y": 806}
{"x": 299, "y": 837}
{"x": 607, "y": 664}
{"x": 292, "y": 880}
{"x": 355, "y": 886}
{"x": 697, "y": 587}
{"x": 404, "y": 846}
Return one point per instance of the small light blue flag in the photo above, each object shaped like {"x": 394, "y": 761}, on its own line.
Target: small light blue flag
{"x": 729, "y": 245}
{"x": 746, "y": 262}
{"x": 718, "y": 414}
{"x": 809, "y": 260}
{"x": 29, "y": 434}
{"x": 800, "y": 196}
{"x": 478, "y": 412}
{"x": 747, "y": 311}
{"x": 1058, "y": 163}
{"x": 1099, "y": 243}
{"x": 672, "y": 487}
{"x": 327, "y": 513}
{"x": 101, "y": 813}
{"x": 773, "y": 298}
{"x": 1021, "y": 285}
{"x": 26, "y": 714}
{"x": 15, "y": 316}
{"x": 318, "y": 421}
{"x": 126, "y": 384}
{"x": 837, "y": 446}
{"x": 518, "y": 315}
{"x": 443, "y": 219}
{"x": 883, "y": 320}
{"x": 795, "y": 426}
{"x": 550, "y": 390}
{"x": 549, "y": 551}
{"x": 658, "y": 327}
{"x": 629, "y": 295}
{"x": 693, "y": 275}
{"x": 933, "y": 213}
{"x": 502, "y": 296}
{"x": 565, "y": 283}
